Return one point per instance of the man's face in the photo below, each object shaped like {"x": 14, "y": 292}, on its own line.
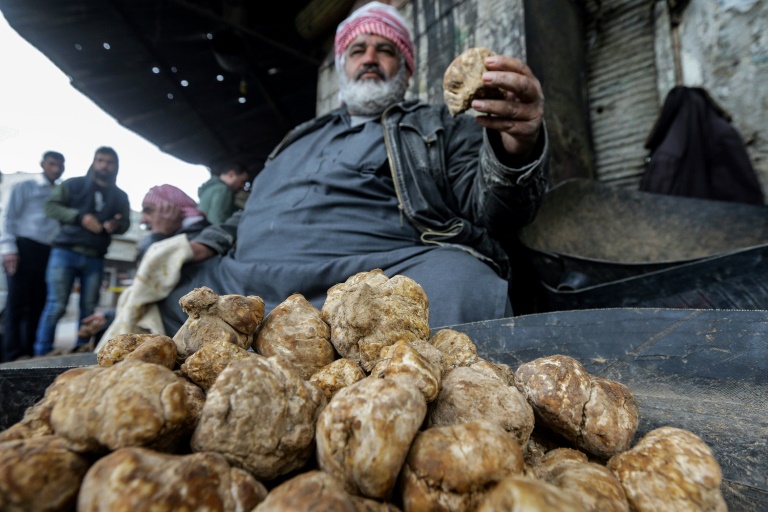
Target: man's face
{"x": 370, "y": 57}
{"x": 104, "y": 165}
{"x": 374, "y": 77}
{"x": 53, "y": 168}
{"x": 236, "y": 182}
{"x": 148, "y": 212}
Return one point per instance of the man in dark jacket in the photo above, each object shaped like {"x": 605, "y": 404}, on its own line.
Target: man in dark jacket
{"x": 384, "y": 183}
{"x": 90, "y": 210}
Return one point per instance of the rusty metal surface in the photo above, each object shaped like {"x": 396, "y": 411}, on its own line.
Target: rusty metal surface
{"x": 596, "y": 222}
{"x": 704, "y": 371}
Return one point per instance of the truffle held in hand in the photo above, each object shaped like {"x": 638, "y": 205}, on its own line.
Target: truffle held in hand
{"x": 463, "y": 81}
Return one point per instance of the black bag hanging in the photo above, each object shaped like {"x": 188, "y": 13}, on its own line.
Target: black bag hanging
{"x": 696, "y": 152}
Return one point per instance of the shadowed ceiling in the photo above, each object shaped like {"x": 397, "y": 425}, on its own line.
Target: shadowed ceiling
{"x": 204, "y": 80}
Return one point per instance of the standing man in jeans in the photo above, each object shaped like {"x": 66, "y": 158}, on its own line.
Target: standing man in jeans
{"x": 90, "y": 210}
{"x": 25, "y": 245}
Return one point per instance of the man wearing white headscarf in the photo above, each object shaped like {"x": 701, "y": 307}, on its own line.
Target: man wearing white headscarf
{"x": 385, "y": 183}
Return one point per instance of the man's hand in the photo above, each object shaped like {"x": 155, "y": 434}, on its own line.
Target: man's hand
{"x": 91, "y": 325}
{"x": 518, "y": 117}
{"x": 111, "y": 225}
{"x": 166, "y": 219}
{"x": 91, "y": 223}
{"x": 201, "y": 252}
{"x": 10, "y": 262}
{"x": 96, "y": 318}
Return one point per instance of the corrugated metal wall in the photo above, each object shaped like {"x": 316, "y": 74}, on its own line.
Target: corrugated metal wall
{"x": 623, "y": 98}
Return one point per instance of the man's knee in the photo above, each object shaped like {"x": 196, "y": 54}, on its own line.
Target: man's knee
{"x": 460, "y": 288}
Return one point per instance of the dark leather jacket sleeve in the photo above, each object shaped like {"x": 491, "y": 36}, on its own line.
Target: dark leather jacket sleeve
{"x": 452, "y": 184}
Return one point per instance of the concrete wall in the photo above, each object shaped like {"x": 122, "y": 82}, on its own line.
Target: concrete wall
{"x": 724, "y": 47}
{"x": 554, "y": 31}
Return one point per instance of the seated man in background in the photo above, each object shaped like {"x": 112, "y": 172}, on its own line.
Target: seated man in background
{"x": 386, "y": 183}
{"x": 166, "y": 211}
{"x": 217, "y": 195}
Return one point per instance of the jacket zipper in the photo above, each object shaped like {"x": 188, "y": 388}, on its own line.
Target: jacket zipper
{"x": 390, "y": 157}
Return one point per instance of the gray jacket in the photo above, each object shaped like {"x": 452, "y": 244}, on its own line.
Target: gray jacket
{"x": 452, "y": 194}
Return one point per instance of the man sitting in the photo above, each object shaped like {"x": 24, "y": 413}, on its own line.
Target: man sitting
{"x": 386, "y": 183}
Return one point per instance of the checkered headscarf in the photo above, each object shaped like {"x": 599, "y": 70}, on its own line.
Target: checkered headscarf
{"x": 174, "y": 195}
{"x": 380, "y": 20}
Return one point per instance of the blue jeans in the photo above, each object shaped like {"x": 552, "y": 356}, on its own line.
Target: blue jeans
{"x": 63, "y": 267}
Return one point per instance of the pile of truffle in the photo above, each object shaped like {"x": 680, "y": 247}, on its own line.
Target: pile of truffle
{"x": 353, "y": 407}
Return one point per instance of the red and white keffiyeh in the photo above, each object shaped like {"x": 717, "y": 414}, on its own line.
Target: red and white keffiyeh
{"x": 377, "y": 19}
{"x": 173, "y": 195}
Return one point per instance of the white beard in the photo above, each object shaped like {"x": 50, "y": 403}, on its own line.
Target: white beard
{"x": 370, "y": 97}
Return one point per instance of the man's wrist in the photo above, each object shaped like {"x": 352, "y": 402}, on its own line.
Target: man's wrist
{"x": 201, "y": 252}
{"x": 515, "y": 161}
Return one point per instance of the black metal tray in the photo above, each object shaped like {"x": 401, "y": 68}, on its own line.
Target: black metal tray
{"x": 595, "y": 246}
{"x": 702, "y": 370}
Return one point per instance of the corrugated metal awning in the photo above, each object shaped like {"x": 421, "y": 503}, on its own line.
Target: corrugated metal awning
{"x": 204, "y": 81}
